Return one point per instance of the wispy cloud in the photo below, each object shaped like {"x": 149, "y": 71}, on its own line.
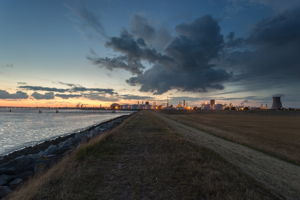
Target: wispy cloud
{"x": 38, "y": 96}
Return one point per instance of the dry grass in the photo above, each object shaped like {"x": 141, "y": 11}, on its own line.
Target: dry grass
{"x": 274, "y": 132}
{"x": 143, "y": 159}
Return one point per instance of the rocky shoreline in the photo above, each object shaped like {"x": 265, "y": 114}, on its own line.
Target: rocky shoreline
{"x": 18, "y": 166}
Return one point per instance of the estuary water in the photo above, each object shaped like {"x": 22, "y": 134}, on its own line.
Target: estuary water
{"x": 26, "y": 127}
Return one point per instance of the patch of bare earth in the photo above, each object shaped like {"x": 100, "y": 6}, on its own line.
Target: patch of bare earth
{"x": 274, "y": 173}
{"x": 144, "y": 158}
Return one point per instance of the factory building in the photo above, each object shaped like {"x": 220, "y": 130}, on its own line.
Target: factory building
{"x": 135, "y": 106}
{"x": 217, "y": 107}
{"x": 126, "y": 106}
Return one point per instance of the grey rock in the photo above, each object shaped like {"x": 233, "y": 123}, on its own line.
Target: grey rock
{"x": 3, "y": 182}
{"x": 15, "y": 183}
{"x": 68, "y": 143}
{"x": 89, "y": 135}
{"x": 79, "y": 135}
{"x": 51, "y": 150}
{"x": 40, "y": 167}
{"x": 7, "y": 178}
{"x": 42, "y": 159}
{"x": 21, "y": 162}
{"x": 8, "y": 171}
{"x": 25, "y": 175}
{"x": 4, "y": 191}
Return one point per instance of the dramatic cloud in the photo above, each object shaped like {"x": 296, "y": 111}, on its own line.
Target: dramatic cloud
{"x": 118, "y": 62}
{"x": 269, "y": 56}
{"x": 199, "y": 60}
{"x": 187, "y": 66}
{"x": 134, "y": 54}
{"x": 68, "y": 96}
{"x": 38, "y": 96}
{"x": 18, "y": 95}
{"x": 146, "y": 32}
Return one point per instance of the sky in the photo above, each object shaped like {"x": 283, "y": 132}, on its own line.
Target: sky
{"x": 66, "y": 52}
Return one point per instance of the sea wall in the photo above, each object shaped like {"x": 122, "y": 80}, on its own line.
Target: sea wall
{"x": 17, "y": 167}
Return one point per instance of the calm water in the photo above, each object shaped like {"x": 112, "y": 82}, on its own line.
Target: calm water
{"x": 25, "y": 127}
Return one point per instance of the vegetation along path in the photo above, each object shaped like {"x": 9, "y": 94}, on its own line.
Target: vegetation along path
{"x": 274, "y": 173}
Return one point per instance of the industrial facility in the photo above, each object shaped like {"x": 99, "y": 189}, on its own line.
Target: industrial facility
{"x": 183, "y": 105}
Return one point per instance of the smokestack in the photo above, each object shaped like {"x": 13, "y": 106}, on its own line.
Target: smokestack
{"x": 183, "y": 103}
{"x": 276, "y": 103}
{"x": 212, "y": 102}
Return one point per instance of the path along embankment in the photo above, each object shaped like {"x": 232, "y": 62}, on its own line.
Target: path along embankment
{"x": 18, "y": 166}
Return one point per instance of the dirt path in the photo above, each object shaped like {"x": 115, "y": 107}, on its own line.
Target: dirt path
{"x": 274, "y": 173}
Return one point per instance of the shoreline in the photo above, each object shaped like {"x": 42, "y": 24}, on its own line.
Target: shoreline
{"x": 27, "y": 150}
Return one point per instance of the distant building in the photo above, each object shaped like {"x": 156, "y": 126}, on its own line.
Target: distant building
{"x": 126, "y": 106}
{"x": 115, "y": 106}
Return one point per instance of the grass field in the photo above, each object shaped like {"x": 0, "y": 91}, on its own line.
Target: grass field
{"x": 274, "y": 132}
{"x": 143, "y": 159}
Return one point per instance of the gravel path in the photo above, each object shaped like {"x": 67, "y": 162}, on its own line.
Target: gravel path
{"x": 274, "y": 173}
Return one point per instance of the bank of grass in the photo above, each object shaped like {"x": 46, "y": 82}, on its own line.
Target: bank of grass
{"x": 143, "y": 159}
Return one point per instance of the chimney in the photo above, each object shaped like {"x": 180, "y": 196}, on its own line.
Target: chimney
{"x": 276, "y": 103}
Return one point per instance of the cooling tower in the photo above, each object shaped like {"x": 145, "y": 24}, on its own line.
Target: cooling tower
{"x": 212, "y": 102}
{"x": 276, "y": 103}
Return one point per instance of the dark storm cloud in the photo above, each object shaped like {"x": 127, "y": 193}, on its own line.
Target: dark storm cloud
{"x": 38, "y": 96}
{"x": 187, "y": 67}
{"x": 136, "y": 97}
{"x": 133, "y": 51}
{"x": 141, "y": 28}
{"x": 269, "y": 55}
{"x": 117, "y": 62}
{"x": 277, "y": 31}
{"x": 18, "y": 95}
{"x": 40, "y": 88}
{"x": 68, "y": 96}
{"x": 159, "y": 81}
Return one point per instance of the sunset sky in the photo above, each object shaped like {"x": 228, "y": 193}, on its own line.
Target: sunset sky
{"x": 64, "y": 52}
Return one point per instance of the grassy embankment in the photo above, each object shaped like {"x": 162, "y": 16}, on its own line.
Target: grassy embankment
{"x": 143, "y": 158}
{"x": 276, "y": 133}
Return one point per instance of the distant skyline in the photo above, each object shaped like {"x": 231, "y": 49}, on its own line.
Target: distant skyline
{"x": 62, "y": 52}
